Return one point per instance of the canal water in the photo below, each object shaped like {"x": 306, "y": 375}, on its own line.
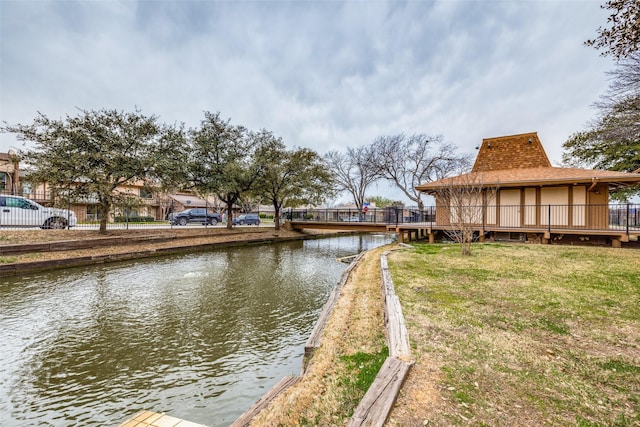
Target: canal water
{"x": 197, "y": 336}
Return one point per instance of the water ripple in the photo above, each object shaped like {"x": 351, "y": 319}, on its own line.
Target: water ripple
{"x": 199, "y": 336}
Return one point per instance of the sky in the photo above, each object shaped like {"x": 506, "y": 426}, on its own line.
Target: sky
{"x": 320, "y": 74}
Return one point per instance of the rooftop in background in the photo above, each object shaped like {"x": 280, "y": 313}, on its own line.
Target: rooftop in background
{"x": 520, "y": 160}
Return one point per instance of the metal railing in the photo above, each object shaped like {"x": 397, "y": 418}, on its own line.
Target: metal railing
{"x": 618, "y": 217}
{"x": 157, "y": 213}
{"x": 392, "y": 215}
{"x": 36, "y": 209}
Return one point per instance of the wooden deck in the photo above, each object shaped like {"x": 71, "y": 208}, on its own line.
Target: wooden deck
{"x": 364, "y": 227}
{"x": 154, "y": 419}
{"x": 427, "y": 230}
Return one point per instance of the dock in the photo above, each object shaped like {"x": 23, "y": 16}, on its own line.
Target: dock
{"x": 154, "y": 419}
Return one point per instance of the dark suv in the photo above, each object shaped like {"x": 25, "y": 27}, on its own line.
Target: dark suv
{"x": 247, "y": 219}
{"x": 195, "y": 215}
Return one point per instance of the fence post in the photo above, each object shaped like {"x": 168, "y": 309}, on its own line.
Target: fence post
{"x": 549, "y": 220}
{"x": 627, "y": 219}
{"x": 484, "y": 211}
{"x": 69, "y": 213}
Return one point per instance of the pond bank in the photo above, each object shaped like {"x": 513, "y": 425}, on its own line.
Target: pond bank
{"x": 28, "y": 251}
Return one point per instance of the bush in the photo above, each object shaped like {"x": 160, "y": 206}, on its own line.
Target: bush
{"x": 134, "y": 219}
{"x": 266, "y": 216}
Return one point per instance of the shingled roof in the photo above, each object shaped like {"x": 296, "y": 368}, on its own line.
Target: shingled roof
{"x": 520, "y": 161}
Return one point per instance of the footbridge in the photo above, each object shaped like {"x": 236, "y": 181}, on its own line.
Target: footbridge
{"x": 613, "y": 225}
{"x": 370, "y": 220}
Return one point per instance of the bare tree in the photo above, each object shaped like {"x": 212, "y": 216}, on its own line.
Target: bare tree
{"x": 353, "y": 172}
{"x": 613, "y": 140}
{"x": 408, "y": 161}
{"x": 463, "y": 201}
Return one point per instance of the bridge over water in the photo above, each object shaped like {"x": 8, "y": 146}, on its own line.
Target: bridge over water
{"x": 617, "y": 224}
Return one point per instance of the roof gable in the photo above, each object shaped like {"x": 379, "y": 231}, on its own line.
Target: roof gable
{"x": 521, "y": 151}
{"x": 520, "y": 161}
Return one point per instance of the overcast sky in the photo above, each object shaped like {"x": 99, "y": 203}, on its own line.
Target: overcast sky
{"x": 319, "y": 74}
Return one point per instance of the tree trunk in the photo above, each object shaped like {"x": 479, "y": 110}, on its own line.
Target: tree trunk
{"x": 103, "y": 214}
{"x": 276, "y": 216}
{"x": 229, "y": 214}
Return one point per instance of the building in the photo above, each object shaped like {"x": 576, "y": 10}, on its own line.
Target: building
{"x": 518, "y": 190}
{"x": 9, "y": 173}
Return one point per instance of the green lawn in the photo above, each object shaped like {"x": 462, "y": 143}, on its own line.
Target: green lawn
{"x": 526, "y": 334}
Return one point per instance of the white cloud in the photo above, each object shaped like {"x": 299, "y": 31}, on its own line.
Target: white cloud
{"x": 320, "y": 74}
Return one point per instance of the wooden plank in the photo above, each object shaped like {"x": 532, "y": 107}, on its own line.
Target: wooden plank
{"x": 284, "y": 384}
{"x": 154, "y": 419}
{"x": 376, "y": 405}
{"x": 397, "y": 335}
{"x": 314, "y": 339}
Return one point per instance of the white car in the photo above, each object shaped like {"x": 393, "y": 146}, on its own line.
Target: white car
{"x": 16, "y": 211}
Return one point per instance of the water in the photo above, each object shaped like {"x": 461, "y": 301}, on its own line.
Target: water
{"x": 198, "y": 336}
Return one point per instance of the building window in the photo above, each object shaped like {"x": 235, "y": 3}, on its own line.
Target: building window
{"x": 3, "y": 181}
{"x": 145, "y": 193}
{"x": 92, "y": 212}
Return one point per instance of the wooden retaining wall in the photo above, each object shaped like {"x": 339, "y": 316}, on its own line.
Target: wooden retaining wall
{"x": 313, "y": 342}
{"x": 314, "y": 339}
{"x": 70, "y": 245}
{"x": 376, "y": 405}
{"x": 12, "y": 269}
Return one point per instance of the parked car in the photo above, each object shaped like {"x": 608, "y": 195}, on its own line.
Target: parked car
{"x": 17, "y": 211}
{"x": 195, "y": 215}
{"x": 248, "y": 219}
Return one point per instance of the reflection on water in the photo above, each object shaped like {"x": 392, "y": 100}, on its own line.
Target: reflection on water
{"x": 198, "y": 336}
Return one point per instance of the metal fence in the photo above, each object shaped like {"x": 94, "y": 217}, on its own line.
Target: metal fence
{"x": 624, "y": 217}
{"x": 46, "y": 211}
{"x": 391, "y": 215}
{"x": 43, "y": 210}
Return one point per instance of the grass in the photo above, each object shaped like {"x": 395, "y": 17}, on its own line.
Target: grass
{"x": 360, "y": 372}
{"x": 525, "y": 334}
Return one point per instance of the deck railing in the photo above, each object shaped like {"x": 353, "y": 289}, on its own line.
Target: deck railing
{"x": 619, "y": 217}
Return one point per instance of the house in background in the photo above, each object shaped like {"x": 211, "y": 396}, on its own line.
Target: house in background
{"x": 520, "y": 191}
{"x": 9, "y": 173}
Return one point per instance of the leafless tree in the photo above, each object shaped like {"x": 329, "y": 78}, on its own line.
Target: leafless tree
{"x": 408, "y": 161}
{"x": 353, "y": 172}
{"x": 463, "y": 200}
{"x": 613, "y": 140}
